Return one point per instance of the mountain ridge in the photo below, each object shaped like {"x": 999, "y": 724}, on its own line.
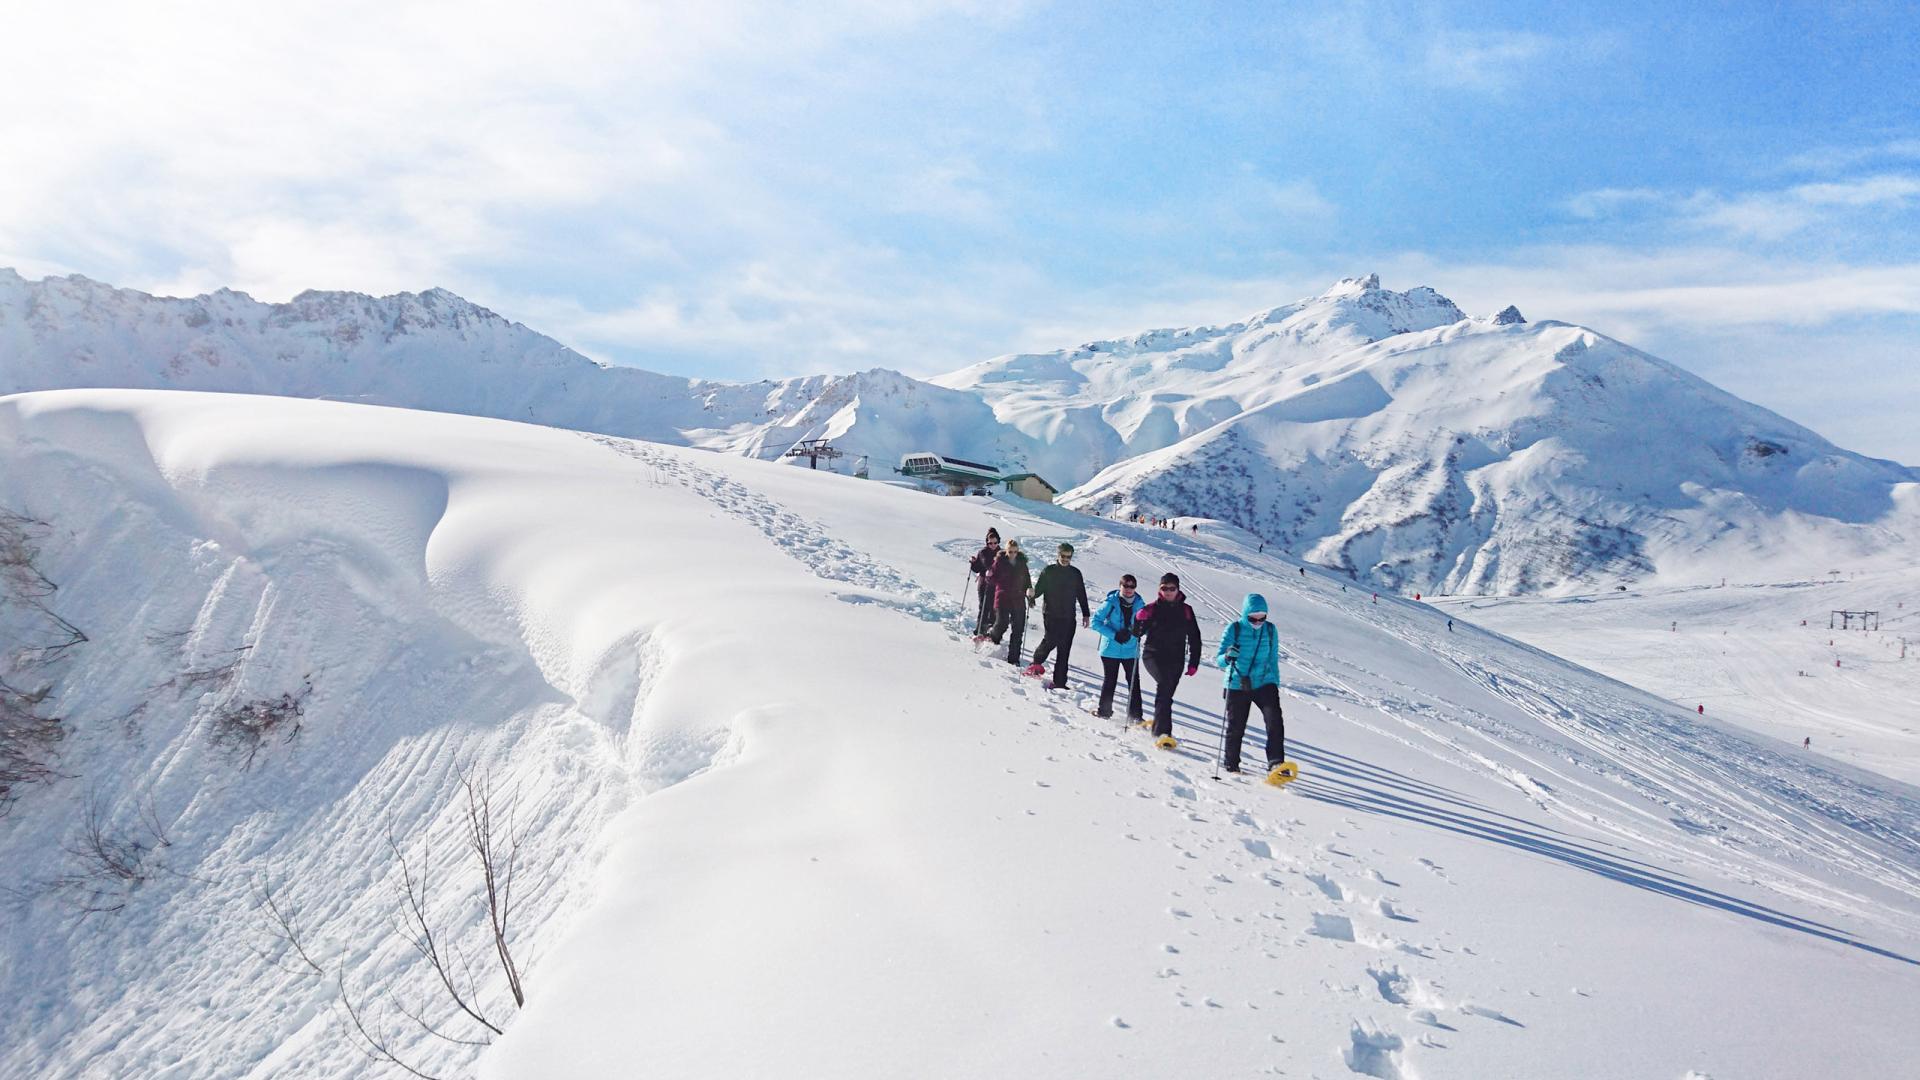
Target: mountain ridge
{"x": 1383, "y": 433}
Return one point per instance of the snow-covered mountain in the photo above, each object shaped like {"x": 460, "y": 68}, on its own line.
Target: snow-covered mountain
{"x": 771, "y": 814}
{"x": 1378, "y": 432}
{"x": 1389, "y": 435}
{"x": 434, "y": 350}
{"x": 1511, "y": 457}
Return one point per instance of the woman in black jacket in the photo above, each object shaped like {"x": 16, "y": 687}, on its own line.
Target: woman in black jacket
{"x": 1164, "y": 627}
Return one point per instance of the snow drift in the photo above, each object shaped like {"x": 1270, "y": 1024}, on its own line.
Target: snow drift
{"x": 777, "y": 818}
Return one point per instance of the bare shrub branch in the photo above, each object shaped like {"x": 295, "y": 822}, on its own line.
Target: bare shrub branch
{"x": 22, "y": 584}
{"x": 28, "y": 734}
{"x": 27, "y": 741}
{"x": 490, "y": 835}
{"x": 280, "y": 926}
{"x": 496, "y": 869}
{"x": 214, "y": 677}
{"x": 417, "y": 926}
{"x": 240, "y": 728}
{"x": 375, "y": 1047}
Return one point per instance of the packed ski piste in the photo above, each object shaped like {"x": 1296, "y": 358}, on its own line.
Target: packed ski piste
{"x": 787, "y": 804}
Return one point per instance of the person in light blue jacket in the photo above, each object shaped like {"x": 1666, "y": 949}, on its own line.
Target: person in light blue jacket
{"x": 1249, "y": 654}
{"x": 1119, "y": 648}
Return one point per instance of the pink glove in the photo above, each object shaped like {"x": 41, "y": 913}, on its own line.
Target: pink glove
{"x": 1142, "y": 615}
{"x": 1193, "y": 669}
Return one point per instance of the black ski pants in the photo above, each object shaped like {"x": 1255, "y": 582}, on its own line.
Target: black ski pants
{"x": 1166, "y": 669}
{"x": 1114, "y": 665}
{"x": 1057, "y": 638}
{"x": 1011, "y": 619}
{"x": 984, "y": 623}
{"x": 1239, "y": 704}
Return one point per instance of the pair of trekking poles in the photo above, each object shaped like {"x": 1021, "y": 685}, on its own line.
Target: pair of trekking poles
{"x": 1220, "y": 752}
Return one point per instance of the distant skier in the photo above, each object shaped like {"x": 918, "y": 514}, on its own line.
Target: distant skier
{"x": 982, "y": 566}
{"x": 1010, "y": 584}
{"x": 1449, "y": 626}
{"x": 1119, "y": 647}
{"x": 1249, "y": 652}
{"x": 1166, "y": 628}
{"x": 1196, "y": 528}
{"x": 1303, "y": 571}
{"x": 1806, "y": 743}
{"x": 1059, "y": 588}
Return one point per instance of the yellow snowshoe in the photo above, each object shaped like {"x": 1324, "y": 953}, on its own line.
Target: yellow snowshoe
{"x": 1283, "y": 774}
{"x": 1166, "y": 742}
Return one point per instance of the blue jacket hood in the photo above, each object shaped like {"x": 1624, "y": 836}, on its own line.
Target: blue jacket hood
{"x": 1254, "y": 602}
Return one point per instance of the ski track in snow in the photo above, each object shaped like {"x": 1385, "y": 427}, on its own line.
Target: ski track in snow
{"x": 1694, "y": 769}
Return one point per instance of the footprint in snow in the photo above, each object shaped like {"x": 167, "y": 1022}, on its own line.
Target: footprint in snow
{"x": 1332, "y": 927}
{"x": 1374, "y": 1053}
{"x": 1387, "y": 909}
{"x": 1328, "y": 886}
{"x": 1490, "y": 1014}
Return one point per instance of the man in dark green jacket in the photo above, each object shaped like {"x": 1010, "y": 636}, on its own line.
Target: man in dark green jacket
{"x": 1059, "y": 588}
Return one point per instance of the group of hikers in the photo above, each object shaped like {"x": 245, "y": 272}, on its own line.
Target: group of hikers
{"x": 1162, "y": 634}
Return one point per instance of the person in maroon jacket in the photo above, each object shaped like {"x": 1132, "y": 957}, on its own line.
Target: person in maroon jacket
{"x": 982, "y": 565}
{"x": 1164, "y": 628}
{"x": 1011, "y": 580}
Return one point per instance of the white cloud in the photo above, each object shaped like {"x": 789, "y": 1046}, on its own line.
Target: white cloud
{"x": 1488, "y": 60}
{"x": 1766, "y": 215}
{"x": 372, "y": 145}
{"x": 1840, "y": 159}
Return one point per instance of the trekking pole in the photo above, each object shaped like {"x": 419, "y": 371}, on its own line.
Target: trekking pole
{"x": 1221, "y": 753}
{"x": 964, "y": 590}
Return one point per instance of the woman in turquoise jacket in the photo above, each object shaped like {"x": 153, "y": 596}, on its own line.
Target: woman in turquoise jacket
{"x": 1119, "y": 648}
{"x": 1249, "y": 653}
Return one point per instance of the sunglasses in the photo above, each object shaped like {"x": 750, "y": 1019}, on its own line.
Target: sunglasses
{"x": 1258, "y": 616}
{"x": 1169, "y": 588}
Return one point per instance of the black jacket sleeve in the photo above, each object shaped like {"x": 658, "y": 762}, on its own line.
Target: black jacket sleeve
{"x": 1080, "y": 584}
{"x": 1193, "y": 639}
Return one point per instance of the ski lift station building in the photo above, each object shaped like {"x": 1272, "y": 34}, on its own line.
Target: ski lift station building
{"x": 961, "y": 475}
{"x": 1030, "y": 486}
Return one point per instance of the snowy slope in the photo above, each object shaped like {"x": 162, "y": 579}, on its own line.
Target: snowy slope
{"x": 785, "y": 822}
{"x": 1761, "y": 656}
{"x": 1499, "y": 456}
{"x": 434, "y": 350}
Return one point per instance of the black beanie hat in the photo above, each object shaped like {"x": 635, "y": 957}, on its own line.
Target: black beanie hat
{"x": 993, "y": 534}
{"x": 1170, "y": 579}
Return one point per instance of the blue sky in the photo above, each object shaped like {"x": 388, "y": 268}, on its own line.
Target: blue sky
{"x": 748, "y": 190}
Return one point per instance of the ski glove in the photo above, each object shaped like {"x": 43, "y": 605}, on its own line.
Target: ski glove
{"x": 1193, "y": 669}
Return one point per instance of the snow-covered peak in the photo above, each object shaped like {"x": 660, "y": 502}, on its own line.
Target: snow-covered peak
{"x": 1352, "y": 286}
{"x": 1509, "y": 316}
{"x": 1359, "y": 310}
